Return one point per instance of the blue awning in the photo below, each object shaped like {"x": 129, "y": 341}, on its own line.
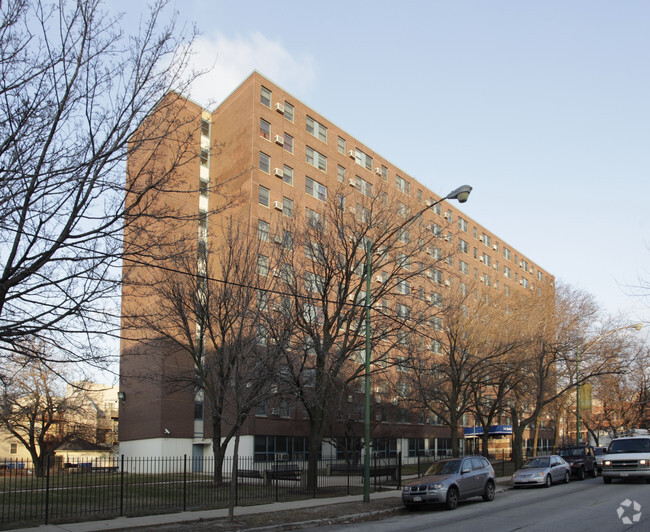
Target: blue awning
{"x": 495, "y": 430}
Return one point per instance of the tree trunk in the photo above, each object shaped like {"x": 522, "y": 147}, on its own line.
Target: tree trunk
{"x": 535, "y": 438}
{"x": 315, "y": 442}
{"x": 455, "y": 440}
{"x": 485, "y": 442}
{"x": 233, "y": 482}
{"x": 517, "y": 445}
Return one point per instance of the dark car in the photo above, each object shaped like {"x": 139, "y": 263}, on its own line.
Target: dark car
{"x": 582, "y": 460}
{"x": 450, "y": 481}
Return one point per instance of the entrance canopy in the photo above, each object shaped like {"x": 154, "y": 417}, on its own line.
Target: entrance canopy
{"x": 495, "y": 430}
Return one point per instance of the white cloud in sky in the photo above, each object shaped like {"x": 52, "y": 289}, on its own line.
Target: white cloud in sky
{"x": 232, "y": 60}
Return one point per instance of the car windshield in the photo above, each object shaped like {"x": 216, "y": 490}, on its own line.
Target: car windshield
{"x": 537, "y": 462}
{"x": 633, "y": 445}
{"x": 572, "y": 452}
{"x": 447, "y": 467}
{"x": 599, "y": 450}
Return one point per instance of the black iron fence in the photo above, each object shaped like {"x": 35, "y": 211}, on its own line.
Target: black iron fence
{"x": 84, "y": 490}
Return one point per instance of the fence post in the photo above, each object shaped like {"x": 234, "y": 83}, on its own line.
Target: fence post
{"x": 503, "y": 462}
{"x": 399, "y": 470}
{"x": 47, "y": 488}
{"x": 185, "y": 482}
{"x": 121, "y": 485}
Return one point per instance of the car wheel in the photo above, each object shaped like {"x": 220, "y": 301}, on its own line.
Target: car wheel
{"x": 581, "y": 473}
{"x": 594, "y": 472}
{"x": 607, "y": 480}
{"x": 566, "y": 477}
{"x": 452, "y": 499}
{"x": 547, "y": 481}
{"x": 488, "y": 494}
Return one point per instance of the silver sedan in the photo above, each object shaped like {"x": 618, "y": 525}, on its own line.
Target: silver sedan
{"x": 542, "y": 471}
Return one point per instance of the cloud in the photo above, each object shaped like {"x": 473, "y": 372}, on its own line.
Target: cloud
{"x": 231, "y": 61}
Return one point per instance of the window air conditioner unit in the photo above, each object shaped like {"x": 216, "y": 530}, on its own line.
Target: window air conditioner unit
{"x": 379, "y": 279}
{"x": 275, "y": 411}
{"x": 378, "y": 171}
{"x": 352, "y": 210}
{"x": 429, "y": 203}
{"x": 352, "y": 182}
{"x": 481, "y": 259}
{"x": 429, "y": 275}
{"x": 277, "y": 205}
{"x": 279, "y": 108}
{"x": 277, "y": 239}
{"x": 480, "y": 238}
{"x": 351, "y": 297}
{"x": 278, "y": 172}
{"x": 447, "y": 283}
{"x": 495, "y": 266}
{"x": 276, "y": 273}
{"x": 279, "y": 139}
{"x": 495, "y": 247}
{"x": 447, "y": 239}
{"x": 351, "y": 154}
{"x": 428, "y": 298}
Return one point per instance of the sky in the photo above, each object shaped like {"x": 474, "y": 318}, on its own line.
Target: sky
{"x": 542, "y": 106}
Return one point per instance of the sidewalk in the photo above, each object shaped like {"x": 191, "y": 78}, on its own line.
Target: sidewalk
{"x": 124, "y": 523}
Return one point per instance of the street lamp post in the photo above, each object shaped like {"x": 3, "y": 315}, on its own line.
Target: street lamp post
{"x": 461, "y": 194}
{"x": 636, "y": 326}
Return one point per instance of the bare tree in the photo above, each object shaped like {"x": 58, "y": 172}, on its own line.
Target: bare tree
{"x": 75, "y": 96}
{"x": 471, "y": 346}
{"x": 213, "y": 316}
{"x": 34, "y": 406}
{"x": 562, "y": 326}
{"x": 323, "y": 264}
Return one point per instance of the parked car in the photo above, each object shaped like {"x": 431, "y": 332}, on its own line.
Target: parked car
{"x": 582, "y": 460}
{"x": 599, "y": 453}
{"x": 450, "y": 481}
{"x": 627, "y": 458}
{"x": 542, "y": 471}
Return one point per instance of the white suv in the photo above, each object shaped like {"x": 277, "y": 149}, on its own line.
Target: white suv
{"x": 627, "y": 457}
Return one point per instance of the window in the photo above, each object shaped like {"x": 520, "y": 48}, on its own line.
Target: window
{"x": 486, "y": 240}
{"x": 463, "y": 267}
{"x": 287, "y": 207}
{"x": 341, "y": 145}
{"x": 265, "y": 129}
{"x": 265, "y": 163}
{"x": 288, "y": 111}
{"x": 463, "y": 246}
{"x": 314, "y": 219}
{"x": 263, "y": 230}
{"x": 287, "y": 175}
{"x": 203, "y": 188}
{"x": 261, "y": 335}
{"x": 205, "y": 127}
{"x": 340, "y": 202}
{"x": 340, "y": 173}
{"x": 402, "y": 185}
{"x": 262, "y": 300}
{"x": 264, "y": 196}
{"x": 524, "y": 282}
{"x": 404, "y": 287}
{"x": 265, "y": 97}
{"x": 540, "y": 275}
{"x": 205, "y": 155}
{"x": 486, "y": 259}
{"x": 316, "y": 159}
{"x": 462, "y": 224}
{"x": 450, "y": 217}
{"x": 363, "y": 186}
{"x": 506, "y": 253}
{"x": 288, "y": 143}
{"x": 14, "y": 448}
{"x": 362, "y": 159}
{"x": 403, "y": 311}
{"x": 524, "y": 264}
{"x": 436, "y": 230}
{"x": 316, "y": 128}
{"x": 436, "y": 275}
{"x": 287, "y": 239}
{"x": 262, "y": 265}
{"x": 507, "y": 272}
{"x": 436, "y": 323}
{"x": 436, "y": 299}
{"x": 315, "y": 189}
{"x": 384, "y": 173}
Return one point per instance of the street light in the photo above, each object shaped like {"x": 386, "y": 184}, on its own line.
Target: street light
{"x": 460, "y": 194}
{"x": 636, "y": 326}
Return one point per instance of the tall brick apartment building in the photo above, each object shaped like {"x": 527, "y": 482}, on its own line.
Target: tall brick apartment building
{"x": 278, "y": 155}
